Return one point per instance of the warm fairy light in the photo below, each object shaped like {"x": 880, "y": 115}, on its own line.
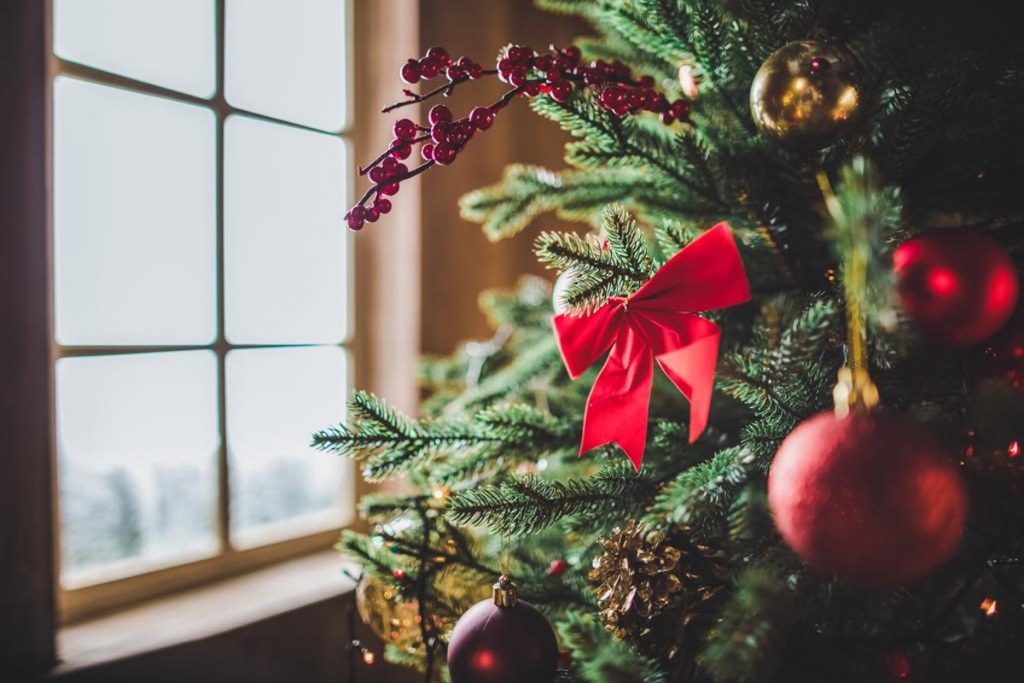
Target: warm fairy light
{"x": 1013, "y": 450}
{"x": 990, "y": 607}
{"x": 441, "y": 492}
{"x": 369, "y": 657}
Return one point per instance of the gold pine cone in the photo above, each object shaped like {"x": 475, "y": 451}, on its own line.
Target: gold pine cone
{"x": 659, "y": 591}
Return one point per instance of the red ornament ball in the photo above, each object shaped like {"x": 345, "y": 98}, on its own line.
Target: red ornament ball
{"x": 959, "y": 286}
{"x": 492, "y": 644}
{"x": 558, "y": 567}
{"x": 898, "y": 666}
{"x": 872, "y": 499}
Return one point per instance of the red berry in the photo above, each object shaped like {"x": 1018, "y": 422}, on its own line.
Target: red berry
{"x": 667, "y": 118}
{"x": 636, "y": 99}
{"x": 428, "y": 68}
{"x": 572, "y": 53}
{"x": 647, "y": 81}
{"x": 439, "y": 56}
{"x": 592, "y": 76}
{"x": 557, "y": 567}
{"x": 661, "y": 105}
{"x": 517, "y": 54}
{"x": 400, "y": 169}
{"x": 358, "y": 212}
{"x": 444, "y": 153}
{"x": 680, "y": 109}
{"x": 411, "y": 72}
{"x": 389, "y": 164}
{"x": 372, "y": 214}
{"x": 401, "y": 151}
{"x": 439, "y": 113}
{"x": 354, "y": 223}
{"x": 504, "y": 64}
{"x": 612, "y": 96}
{"x": 465, "y": 63}
{"x": 544, "y": 62}
{"x": 482, "y": 118}
{"x": 476, "y": 71}
{"x": 532, "y": 88}
{"x": 398, "y": 574}
{"x": 561, "y": 90}
{"x": 427, "y": 151}
{"x": 390, "y": 188}
{"x": 553, "y": 75}
{"x": 651, "y": 99}
{"x": 404, "y": 129}
{"x": 377, "y": 174}
{"x": 439, "y": 132}
{"x": 454, "y": 73}
{"x": 517, "y": 77}
{"x": 382, "y": 205}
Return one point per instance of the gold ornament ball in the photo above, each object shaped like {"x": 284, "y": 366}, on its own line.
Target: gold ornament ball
{"x": 806, "y": 94}
{"x": 392, "y": 618}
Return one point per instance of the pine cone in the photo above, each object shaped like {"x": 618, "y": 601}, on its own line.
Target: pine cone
{"x": 658, "y": 591}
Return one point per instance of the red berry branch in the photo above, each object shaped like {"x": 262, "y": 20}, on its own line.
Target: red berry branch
{"x": 556, "y": 73}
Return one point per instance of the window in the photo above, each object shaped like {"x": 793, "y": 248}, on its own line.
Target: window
{"x": 202, "y": 287}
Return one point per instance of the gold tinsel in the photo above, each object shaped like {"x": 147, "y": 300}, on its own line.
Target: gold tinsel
{"x": 659, "y": 591}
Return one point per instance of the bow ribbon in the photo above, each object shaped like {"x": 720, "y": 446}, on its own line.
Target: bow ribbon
{"x": 655, "y": 323}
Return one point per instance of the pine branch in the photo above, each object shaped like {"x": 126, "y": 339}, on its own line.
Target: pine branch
{"x": 527, "y": 504}
{"x": 701, "y": 495}
{"x": 600, "y": 658}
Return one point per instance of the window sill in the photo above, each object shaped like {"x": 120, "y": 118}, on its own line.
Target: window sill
{"x": 203, "y": 612}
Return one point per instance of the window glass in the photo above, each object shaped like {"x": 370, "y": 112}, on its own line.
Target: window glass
{"x": 137, "y": 456}
{"x": 134, "y": 218}
{"x": 287, "y": 60}
{"x": 169, "y": 43}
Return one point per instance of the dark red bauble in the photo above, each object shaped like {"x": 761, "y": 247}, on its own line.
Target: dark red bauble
{"x": 492, "y": 644}
{"x": 959, "y": 286}
{"x": 872, "y": 499}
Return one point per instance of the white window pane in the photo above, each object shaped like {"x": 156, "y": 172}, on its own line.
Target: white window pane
{"x": 287, "y": 60}
{"x": 134, "y": 218}
{"x": 137, "y": 445}
{"x": 280, "y": 487}
{"x": 285, "y": 246}
{"x": 170, "y": 43}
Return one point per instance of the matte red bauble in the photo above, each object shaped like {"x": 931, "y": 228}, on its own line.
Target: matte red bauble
{"x": 872, "y": 499}
{"x": 502, "y": 640}
{"x": 958, "y": 286}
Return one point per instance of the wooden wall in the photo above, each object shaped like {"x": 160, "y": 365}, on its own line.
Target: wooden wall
{"x": 26, "y": 550}
{"x": 457, "y": 260}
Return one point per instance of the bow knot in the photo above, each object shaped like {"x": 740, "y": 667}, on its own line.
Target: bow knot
{"x": 656, "y": 323}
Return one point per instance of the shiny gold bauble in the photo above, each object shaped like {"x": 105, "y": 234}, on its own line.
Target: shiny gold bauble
{"x": 392, "y": 618}
{"x": 807, "y": 94}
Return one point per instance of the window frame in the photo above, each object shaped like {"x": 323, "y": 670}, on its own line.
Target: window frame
{"x": 79, "y": 603}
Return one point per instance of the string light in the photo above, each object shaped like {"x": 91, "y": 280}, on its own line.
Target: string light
{"x": 1013, "y": 450}
{"x": 368, "y": 657}
{"x": 990, "y": 607}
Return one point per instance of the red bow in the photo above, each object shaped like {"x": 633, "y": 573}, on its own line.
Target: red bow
{"x": 654, "y": 323}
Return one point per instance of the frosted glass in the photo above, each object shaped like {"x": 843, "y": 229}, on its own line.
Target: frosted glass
{"x": 280, "y": 487}
{"x": 285, "y": 243}
{"x": 287, "y": 59}
{"x": 134, "y": 218}
{"x": 137, "y": 445}
{"x": 170, "y": 43}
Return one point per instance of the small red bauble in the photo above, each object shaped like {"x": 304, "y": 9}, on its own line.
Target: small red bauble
{"x": 959, "y": 286}
{"x": 898, "y": 666}
{"x": 872, "y": 499}
{"x": 557, "y": 567}
{"x": 502, "y": 644}
{"x": 398, "y": 573}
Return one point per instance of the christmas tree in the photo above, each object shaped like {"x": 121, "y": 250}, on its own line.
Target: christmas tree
{"x": 799, "y": 231}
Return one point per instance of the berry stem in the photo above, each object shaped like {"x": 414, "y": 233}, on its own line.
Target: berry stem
{"x": 363, "y": 170}
{"x": 395, "y": 179}
{"x": 446, "y": 88}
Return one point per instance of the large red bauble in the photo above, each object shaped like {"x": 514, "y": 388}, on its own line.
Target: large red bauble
{"x": 492, "y": 644}
{"x": 872, "y": 499}
{"x": 958, "y": 286}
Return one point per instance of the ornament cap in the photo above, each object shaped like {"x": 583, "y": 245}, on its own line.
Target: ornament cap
{"x": 504, "y": 592}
